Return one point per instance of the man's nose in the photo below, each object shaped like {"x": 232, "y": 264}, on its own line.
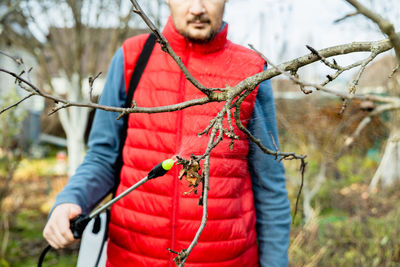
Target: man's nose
{"x": 197, "y": 7}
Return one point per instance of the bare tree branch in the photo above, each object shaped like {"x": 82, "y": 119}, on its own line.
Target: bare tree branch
{"x": 17, "y": 103}
{"x": 346, "y": 17}
{"x": 354, "y": 83}
{"x": 91, "y": 81}
{"x": 339, "y": 72}
{"x": 364, "y": 123}
{"x": 247, "y": 84}
{"x": 18, "y": 60}
{"x": 333, "y": 65}
{"x": 325, "y": 89}
{"x": 384, "y": 25}
{"x": 56, "y": 99}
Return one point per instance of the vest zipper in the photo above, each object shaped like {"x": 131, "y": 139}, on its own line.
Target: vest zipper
{"x": 175, "y": 203}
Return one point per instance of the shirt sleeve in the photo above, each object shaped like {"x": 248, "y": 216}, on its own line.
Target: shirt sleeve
{"x": 269, "y": 184}
{"x": 94, "y": 178}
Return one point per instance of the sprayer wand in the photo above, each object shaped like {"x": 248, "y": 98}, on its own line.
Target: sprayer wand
{"x": 78, "y": 224}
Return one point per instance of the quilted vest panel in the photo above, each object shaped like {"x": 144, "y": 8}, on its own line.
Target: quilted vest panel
{"x": 158, "y": 215}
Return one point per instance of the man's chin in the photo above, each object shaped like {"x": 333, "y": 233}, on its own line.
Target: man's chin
{"x": 199, "y": 36}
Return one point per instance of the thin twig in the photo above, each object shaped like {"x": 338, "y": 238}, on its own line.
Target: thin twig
{"x": 55, "y": 109}
{"x": 303, "y": 165}
{"x": 339, "y": 72}
{"x": 273, "y": 141}
{"x": 293, "y": 77}
{"x": 208, "y": 128}
{"x": 276, "y": 154}
{"x": 333, "y": 65}
{"x": 18, "y": 60}
{"x": 384, "y": 25}
{"x": 354, "y": 83}
{"x": 17, "y": 103}
{"x": 216, "y": 126}
{"x": 346, "y": 17}
{"x": 91, "y": 81}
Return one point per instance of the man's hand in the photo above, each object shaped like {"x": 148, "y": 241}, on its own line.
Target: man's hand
{"x": 56, "y": 231}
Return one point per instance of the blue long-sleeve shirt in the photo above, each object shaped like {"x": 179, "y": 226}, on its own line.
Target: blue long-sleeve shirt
{"x": 94, "y": 178}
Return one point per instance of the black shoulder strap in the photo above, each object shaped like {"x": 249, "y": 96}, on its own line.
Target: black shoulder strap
{"x": 135, "y": 78}
{"x": 139, "y": 68}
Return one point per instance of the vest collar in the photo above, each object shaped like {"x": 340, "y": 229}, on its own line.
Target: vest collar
{"x": 179, "y": 43}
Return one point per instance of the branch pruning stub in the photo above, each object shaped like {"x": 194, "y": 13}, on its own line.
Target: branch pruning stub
{"x": 123, "y": 113}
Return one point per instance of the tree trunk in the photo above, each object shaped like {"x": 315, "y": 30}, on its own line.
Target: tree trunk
{"x": 74, "y": 121}
{"x": 389, "y": 168}
{"x": 75, "y": 149}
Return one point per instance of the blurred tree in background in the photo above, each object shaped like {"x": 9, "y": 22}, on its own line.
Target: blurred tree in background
{"x": 71, "y": 41}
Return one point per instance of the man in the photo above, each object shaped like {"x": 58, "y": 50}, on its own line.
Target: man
{"x": 245, "y": 185}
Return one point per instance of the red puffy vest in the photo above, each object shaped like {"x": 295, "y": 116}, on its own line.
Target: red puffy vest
{"x": 158, "y": 215}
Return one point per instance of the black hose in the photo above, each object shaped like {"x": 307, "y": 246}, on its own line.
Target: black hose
{"x": 42, "y": 255}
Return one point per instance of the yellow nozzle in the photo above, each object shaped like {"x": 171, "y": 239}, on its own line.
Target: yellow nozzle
{"x": 167, "y": 164}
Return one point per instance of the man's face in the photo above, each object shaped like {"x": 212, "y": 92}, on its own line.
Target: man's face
{"x": 197, "y": 20}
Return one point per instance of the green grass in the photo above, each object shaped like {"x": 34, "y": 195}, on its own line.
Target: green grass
{"x": 26, "y": 243}
{"x": 52, "y": 259}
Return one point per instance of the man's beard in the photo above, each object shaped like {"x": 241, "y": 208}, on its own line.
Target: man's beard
{"x": 207, "y": 38}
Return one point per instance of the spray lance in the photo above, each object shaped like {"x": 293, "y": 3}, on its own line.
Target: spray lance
{"x": 78, "y": 224}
